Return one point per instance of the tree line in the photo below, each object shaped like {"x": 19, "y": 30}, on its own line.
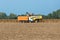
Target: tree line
{"x": 53, "y": 15}
{"x": 5, "y": 16}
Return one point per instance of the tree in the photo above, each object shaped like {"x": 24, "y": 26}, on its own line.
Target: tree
{"x": 44, "y": 16}
{"x": 12, "y": 16}
{"x": 3, "y": 15}
{"x": 49, "y": 16}
{"x": 58, "y": 12}
{"x": 54, "y": 15}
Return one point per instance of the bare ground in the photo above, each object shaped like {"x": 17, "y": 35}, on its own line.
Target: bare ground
{"x": 29, "y": 31}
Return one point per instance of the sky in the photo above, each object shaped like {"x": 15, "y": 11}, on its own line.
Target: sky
{"x": 31, "y": 6}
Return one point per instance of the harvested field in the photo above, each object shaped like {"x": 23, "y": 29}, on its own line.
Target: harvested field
{"x": 16, "y": 21}
{"x": 30, "y": 31}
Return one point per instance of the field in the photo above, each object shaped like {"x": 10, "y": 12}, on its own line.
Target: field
{"x": 30, "y": 31}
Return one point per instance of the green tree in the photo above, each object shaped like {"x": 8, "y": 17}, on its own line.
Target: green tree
{"x": 12, "y": 16}
{"x": 3, "y": 15}
{"x": 49, "y": 16}
{"x": 58, "y": 12}
{"x": 54, "y": 15}
{"x": 44, "y": 16}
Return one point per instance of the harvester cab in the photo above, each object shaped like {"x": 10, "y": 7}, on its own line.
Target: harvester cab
{"x": 35, "y": 18}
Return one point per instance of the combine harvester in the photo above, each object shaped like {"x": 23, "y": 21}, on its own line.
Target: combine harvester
{"x": 29, "y": 18}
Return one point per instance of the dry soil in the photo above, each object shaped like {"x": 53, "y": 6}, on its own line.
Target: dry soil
{"x": 29, "y": 31}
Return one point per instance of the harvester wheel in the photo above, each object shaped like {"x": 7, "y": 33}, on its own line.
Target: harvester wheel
{"x": 36, "y": 21}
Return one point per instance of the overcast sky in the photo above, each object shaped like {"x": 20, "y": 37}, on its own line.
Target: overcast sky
{"x": 32, "y": 6}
